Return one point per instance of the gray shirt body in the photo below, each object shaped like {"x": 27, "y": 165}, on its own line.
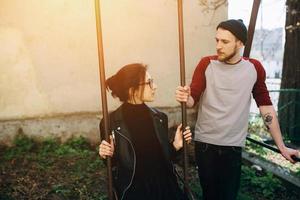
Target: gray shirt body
{"x": 225, "y": 103}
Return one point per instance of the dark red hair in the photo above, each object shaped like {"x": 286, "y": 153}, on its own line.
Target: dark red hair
{"x": 129, "y": 76}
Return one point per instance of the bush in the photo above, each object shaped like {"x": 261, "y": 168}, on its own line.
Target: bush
{"x": 265, "y": 185}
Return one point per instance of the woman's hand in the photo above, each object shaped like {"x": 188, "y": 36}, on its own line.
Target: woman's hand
{"x": 178, "y": 141}
{"x": 106, "y": 149}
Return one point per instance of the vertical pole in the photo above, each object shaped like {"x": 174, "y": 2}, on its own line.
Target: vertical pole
{"x": 251, "y": 27}
{"x": 103, "y": 92}
{"x": 182, "y": 82}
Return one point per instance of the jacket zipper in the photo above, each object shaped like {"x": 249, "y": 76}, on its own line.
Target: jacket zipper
{"x": 134, "y": 162}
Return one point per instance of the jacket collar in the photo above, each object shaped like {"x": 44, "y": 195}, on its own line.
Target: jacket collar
{"x": 121, "y": 126}
{"x": 118, "y": 115}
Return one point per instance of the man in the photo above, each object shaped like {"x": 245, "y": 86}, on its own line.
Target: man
{"x": 223, "y": 84}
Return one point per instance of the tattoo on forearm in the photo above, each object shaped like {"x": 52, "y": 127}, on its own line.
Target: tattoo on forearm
{"x": 268, "y": 119}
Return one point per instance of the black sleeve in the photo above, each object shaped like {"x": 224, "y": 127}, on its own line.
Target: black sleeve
{"x": 101, "y": 128}
{"x": 102, "y": 131}
{"x": 175, "y": 155}
{"x": 171, "y": 134}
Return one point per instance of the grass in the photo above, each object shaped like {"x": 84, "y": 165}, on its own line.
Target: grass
{"x": 50, "y": 170}
{"x": 72, "y": 170}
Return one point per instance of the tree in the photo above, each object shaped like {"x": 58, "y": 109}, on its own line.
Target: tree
{"x": 289, "y": 100}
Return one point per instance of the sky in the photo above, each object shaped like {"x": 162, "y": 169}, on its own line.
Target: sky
{"x": 271, "y": 12}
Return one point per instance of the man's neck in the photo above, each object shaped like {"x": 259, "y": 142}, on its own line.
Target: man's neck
{"x": 234, "y": 60}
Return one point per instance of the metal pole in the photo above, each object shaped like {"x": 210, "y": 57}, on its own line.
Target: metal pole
{"x": 182, "y": 82}
{"x": 103, "y": 92}
{"x": 251, "y": 27}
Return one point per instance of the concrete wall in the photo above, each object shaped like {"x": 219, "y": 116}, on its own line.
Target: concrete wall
{"x": 48, "y": 51}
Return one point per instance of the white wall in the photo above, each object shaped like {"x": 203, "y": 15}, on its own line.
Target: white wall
{"x": 48, "y": 50}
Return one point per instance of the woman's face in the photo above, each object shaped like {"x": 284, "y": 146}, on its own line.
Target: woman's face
{"x": 146, "y": 90}
{"x": 149, "y": 89}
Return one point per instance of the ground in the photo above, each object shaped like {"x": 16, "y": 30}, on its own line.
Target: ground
{"x": 73, "y": 170}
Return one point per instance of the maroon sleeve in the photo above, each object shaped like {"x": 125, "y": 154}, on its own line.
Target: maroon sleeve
{"x": 260, "y": 91}
{"x": 198, "y": 84}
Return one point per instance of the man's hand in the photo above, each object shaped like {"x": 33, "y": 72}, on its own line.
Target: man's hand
{"x": 287, "y": 153}
{"x": 183, "y": 94}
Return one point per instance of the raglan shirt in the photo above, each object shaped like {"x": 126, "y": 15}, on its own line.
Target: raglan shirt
{"x": 224, "y": 94}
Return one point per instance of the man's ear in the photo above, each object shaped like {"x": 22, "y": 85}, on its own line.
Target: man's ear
{"x": 240, "y": 44}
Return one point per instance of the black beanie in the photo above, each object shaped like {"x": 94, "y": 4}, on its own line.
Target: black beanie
{"x": 236, "y": 27}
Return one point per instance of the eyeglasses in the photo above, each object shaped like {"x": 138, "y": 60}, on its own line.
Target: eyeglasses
{"x": 149, "y": 82}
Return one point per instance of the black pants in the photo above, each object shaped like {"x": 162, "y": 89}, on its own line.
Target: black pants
{"x": 219, "y": 170}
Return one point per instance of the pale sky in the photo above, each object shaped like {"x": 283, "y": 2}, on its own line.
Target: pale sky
{"x": 273, "y": 12}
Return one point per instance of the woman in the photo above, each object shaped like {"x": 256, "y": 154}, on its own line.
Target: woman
{"x": 140, "y": 149}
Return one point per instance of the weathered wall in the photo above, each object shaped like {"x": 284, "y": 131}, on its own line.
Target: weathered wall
{"x": 69, "y": 125}
{"x": 48, "y": 51}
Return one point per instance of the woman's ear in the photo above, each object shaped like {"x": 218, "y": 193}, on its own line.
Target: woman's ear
{"x": 130, "y": 91}
{"x": 132, "y": 95}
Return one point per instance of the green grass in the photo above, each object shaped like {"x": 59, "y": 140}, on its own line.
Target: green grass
{"x": 73, "y": 170}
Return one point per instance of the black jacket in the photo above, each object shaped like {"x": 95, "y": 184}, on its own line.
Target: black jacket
{"x": 124, "y": 159}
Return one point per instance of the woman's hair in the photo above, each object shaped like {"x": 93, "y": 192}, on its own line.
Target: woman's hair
{"x": 129, "y": 76}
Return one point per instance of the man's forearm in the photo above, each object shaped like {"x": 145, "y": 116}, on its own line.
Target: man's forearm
{"x": 269, "y": 116}
{"x": 190, "y": 102}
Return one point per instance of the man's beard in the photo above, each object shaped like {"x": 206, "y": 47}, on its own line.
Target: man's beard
{"x": 227, "y": 58}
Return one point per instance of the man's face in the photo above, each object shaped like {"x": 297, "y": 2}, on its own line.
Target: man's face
{"x": 227, "y": 45}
